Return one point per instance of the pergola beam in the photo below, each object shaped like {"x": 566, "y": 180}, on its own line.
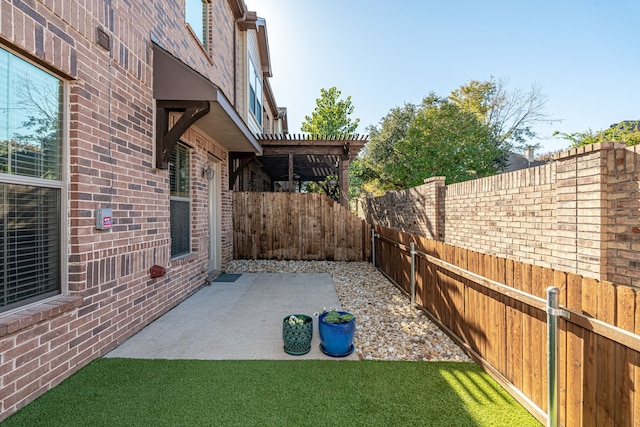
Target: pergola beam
{"x": 286, "y": 152}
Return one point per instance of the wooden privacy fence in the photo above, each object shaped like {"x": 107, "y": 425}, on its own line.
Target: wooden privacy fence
{"x": 302, "y": 226}
{"x": 494, "y": 307}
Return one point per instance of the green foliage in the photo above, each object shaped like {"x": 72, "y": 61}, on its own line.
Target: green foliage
{"x": 627, "y": 132}
{"x": 380, "y": 157}
{"x": 294, "y": 320}
{"x": 437, "y": 138}
{"x": 135, "y": 392}
{"x": 464, "y": 136}
{"x": 478, "y": 98}
{"x": 331, "y": 116}
{"x": 326, "y": 186}
{"x": 444, "y": 140}
{"x": 335, "y": 317}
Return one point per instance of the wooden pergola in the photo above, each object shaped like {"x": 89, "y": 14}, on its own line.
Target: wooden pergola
{"x": 301, "y": 158}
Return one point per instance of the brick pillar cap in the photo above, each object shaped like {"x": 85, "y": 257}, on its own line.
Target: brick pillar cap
{"x": 435, "y": 179}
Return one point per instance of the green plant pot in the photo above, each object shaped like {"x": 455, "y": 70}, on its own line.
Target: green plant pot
{"x": 297, "y": 338}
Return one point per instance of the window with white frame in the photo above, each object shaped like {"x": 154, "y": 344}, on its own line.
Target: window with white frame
{"x": 196, "y": 15}
{"x": 255, "y": 92}
{"x": 180, "y": 201}
{"x": 31, "y": 182}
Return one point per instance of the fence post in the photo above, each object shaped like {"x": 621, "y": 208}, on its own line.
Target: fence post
{"x": 553, "y": 321}
{"x": 413, "y": 274}
{"x": 373, "y": 246}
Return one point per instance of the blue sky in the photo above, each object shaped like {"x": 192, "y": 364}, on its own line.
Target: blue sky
{"x": 584, "y": 55}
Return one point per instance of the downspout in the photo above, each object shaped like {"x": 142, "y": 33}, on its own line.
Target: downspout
{"x": 243, "y": 18}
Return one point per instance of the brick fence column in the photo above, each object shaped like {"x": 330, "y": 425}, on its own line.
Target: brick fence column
{"x": 621, "y": 262}
{"x": 582, "y": 203}
{"x": 434, "y": 205}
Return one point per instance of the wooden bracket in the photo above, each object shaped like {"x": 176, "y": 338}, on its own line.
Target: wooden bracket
{"x": 167, "y": 138}
{"x": 246, "y": 159}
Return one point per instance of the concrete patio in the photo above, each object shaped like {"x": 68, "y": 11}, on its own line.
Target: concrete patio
{"x": 236, "y": 320}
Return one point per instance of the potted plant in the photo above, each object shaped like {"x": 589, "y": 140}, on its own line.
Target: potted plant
{"x": 297, "y": 332}
{"x": 336, "y": 329}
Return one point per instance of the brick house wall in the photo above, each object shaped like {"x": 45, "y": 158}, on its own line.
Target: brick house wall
{"x": 108, "y": 293}
{"x": 580, "y": 213}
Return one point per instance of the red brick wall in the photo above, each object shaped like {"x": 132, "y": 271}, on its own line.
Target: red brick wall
{"x": 110, "y": 292}
{"x": 580, "y": 213}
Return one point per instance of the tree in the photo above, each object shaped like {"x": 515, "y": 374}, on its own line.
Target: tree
{"x": 464, "y": 136}
{"x": 374, "y": 169}
{"x": 444, "y": 140}
{"x": 331, "y": 115}
{"x": 510, "y": 115}
{"x": 627, "y": 132}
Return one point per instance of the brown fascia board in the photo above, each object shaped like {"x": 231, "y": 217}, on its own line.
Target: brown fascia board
{"x": 238, "y": 7}
{"x": 263, "y": 47}
{"x": 249, "y": 21}
{"x": 268, "y": 94}
{"x": 253, "y": 22}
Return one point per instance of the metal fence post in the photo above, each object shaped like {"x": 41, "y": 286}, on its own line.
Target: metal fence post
{"x": 373, "y": 247}
{"x": 413, "y": 274}
{"x": 553, "y": 315}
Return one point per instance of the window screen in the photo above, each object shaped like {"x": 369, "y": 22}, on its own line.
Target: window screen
{"x": 29, "y": 243}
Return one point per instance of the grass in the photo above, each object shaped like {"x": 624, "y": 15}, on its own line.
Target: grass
{"x": 133, "y": 392}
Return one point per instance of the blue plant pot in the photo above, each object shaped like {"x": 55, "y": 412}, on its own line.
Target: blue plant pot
{"x": 337, "y": 338}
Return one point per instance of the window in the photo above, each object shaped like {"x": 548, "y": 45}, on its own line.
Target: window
{"x": 31, "y": 182}
{"x": 255, "y": 92}
{"x": 196, "y": 15}
{"x": 180, "y": 201}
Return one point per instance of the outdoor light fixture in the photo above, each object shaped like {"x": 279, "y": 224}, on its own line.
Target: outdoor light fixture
{"x": 208, "y": 172}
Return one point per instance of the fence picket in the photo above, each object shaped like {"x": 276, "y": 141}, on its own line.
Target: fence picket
{"x": 514, "y": 326}
{"x": 589, "y": 306}
{"x": 575, "y": 355}
{"x": 636, "y": 379}
{"x": 625, "y": 369}
{"x": 605, "y": 414}
{"x": 527, "y": 363}
{"x": 538, "y": 335}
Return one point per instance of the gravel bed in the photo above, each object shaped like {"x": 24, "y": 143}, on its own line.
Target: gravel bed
{"x": 387, "y": 327}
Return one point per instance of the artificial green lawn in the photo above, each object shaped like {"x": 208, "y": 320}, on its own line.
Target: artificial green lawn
{"x": 132, "y": 392}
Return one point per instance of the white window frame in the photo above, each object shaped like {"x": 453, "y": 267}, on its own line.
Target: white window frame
{"x": 60, "y": 184}
{"x": 182, "y": 199}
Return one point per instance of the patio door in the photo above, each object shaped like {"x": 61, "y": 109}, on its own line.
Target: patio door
{"x": 214, "y": 213}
